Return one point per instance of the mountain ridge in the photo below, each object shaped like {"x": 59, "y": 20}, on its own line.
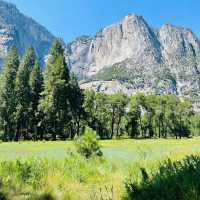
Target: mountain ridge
{"x": 22, "y": 31}
{"x": 127, "y": 56}
{"x": 135, "y": 57}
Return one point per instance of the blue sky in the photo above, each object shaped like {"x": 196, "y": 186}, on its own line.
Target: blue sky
{"x": 69, "y": 19}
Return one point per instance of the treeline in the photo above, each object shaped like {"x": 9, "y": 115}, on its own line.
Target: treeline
{"x": 37, "y": 105}
{"x": 141, "y": 116}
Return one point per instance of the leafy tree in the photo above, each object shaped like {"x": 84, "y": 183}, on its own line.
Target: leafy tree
{"x": 171, "y": 121}
{"x": 96, "y": 112}
{"x": 101, "y": 115}
{"x": 23, "y": 93}
{"x": 133, "y": 117}
{"x": 117, "y": 103}
{"x": 149, "y": 105}
{"x": 184, "y": 111}
{"x": 8, "y": 94}
{"x": 195, "y": 124}
{"x": 89, "y": 106}
{"x": 140, "y": 98}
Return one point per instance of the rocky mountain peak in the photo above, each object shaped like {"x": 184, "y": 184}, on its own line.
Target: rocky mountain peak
{"x": 177, "y": 43}
{"x": 16, "y": 28}
{"x": 133, "y": 19}
{"x": 131, "y": 56}
{"x": 130, "y": 38}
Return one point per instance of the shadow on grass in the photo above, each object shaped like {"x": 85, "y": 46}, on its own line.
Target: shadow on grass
{"x": 173, "y": 181}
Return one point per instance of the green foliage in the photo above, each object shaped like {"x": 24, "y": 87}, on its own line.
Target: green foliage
{"x": 144, "y": 116}
{"x": 114, "y": 72}
{"x": 36, "y": 87}
{"x": 34, "y": 107}
{"x": 28, "y": 172}
{"x": 3, "y": 196}
{"x": 87, "y": 144}
{"x": 23, "y": 93}
{"x": 174, "y": 180}
{"x": 55, "y": 97}
{"x": 105, "y": 113}
{"x": 195, "y": 121}
{"x": 44, "y": 196}
{"x": 8, "y": 93}
{"x": 76, "y": 99}
{"x": 57, "y": 170}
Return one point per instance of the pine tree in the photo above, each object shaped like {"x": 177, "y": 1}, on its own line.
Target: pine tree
{"x": 36, "y": 84}
{"x": 7, "y": 93}
{"x": 23, "y": 93}
{"x": 55, "y": 98}
{"x": 76, "y": 106}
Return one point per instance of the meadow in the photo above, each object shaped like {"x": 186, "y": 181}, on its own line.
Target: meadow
{"x": 53, "y": 170}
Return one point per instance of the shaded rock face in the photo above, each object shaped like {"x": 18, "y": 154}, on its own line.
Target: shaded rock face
{"x": 160, "y": 61}
{"x": 177, "y": 43}
{"x": 16, "y": 28}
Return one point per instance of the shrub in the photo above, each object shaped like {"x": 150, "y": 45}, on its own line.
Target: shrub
{"x": 3, "y": 196}
{"x": 87, "y": 145}
{"x": 174, "y": 180}
{"x": 45, "y": 196}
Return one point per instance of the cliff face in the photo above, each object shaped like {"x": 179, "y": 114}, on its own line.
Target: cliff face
{"x": 16, "y": 28}
{"x": 130, "y": 39}
{"x": 134, "y": 57}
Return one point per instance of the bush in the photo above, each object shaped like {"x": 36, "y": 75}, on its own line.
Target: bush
{"x": 44, "y": 196}
{"x": 174, "y": 180}
{"x": 3, "y": 196}
{"x": 87, "y": 145}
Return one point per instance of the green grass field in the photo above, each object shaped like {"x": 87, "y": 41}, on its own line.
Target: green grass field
{"x": 64, "y": 174}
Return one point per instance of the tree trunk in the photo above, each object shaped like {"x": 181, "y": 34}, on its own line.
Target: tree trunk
{"x": 17, "y": 135}
{"x": 54, "y": 131}
{"x": 112, "y": 123}
{"x": 118, "y": 123}
{"x": 5, "y": 133}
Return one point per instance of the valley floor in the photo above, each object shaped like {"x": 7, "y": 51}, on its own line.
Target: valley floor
{"x": 53, "y": 167}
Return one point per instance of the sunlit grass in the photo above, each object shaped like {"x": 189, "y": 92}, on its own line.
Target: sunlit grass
{"x": 63, "y": 174}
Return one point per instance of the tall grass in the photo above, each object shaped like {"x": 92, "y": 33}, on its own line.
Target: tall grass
{"x": 37, "y": 177}
{"x": 178, "y": 180}
{"x": 48, "y": 170}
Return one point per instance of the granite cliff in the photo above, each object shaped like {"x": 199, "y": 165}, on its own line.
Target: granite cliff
{"x": 130, "y": 56}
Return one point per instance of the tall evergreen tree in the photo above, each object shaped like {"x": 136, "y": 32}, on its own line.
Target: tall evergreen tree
{"x": 23, "y": 93}
{"x": 7, "y": 93}
{"x": 55, "y": 98}
{"x": 36, "y": 84}
{"x": 76, "y": 106}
